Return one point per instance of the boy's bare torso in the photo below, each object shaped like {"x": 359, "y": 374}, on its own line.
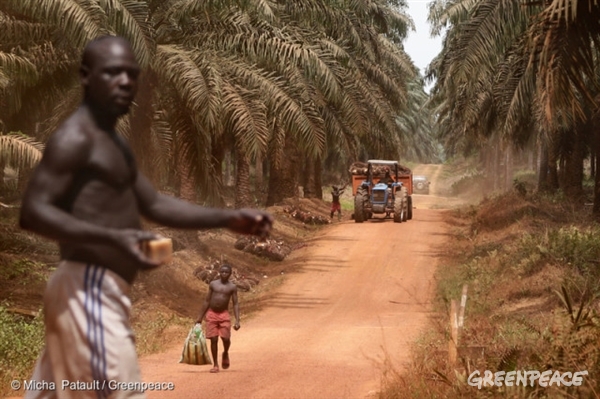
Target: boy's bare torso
{"x": 221, "y": 295}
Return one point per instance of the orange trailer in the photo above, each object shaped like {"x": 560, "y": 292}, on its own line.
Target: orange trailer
{"x": 358, "y": 174}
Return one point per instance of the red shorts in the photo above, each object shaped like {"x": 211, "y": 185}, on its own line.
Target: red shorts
{"x": 335, "y": 206}
{"x": 218, "y": 324}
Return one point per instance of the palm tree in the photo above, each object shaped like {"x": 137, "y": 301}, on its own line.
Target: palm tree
{"x": 41, "y": 42}
{"x": 534, "y": 78}
{"x": 319, "y": 77}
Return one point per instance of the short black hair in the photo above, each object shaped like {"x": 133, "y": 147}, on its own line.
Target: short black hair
{"x": 91, "y": 48}
{"x": 227, "y": 265}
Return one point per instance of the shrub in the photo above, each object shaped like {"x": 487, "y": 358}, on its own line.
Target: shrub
{"x": 21, "y": 341}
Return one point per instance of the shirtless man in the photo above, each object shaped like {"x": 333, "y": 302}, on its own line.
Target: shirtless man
{"x": 88, "y": 195}
{"x": 336, "y": 206}
{"x": 387, "y": 179}
{"x": 218, "y": 322}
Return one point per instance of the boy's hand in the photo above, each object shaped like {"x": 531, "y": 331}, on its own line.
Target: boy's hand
{"x": 236, "y": 326}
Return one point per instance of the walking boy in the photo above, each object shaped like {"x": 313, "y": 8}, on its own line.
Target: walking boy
{"x": 218, "y": 322}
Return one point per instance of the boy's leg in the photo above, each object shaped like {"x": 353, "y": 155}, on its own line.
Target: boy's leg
{"x": 226, "y": 345}
{"x": 214, "y": 351}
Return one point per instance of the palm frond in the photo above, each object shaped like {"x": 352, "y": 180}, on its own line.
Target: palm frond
{"x": 196, "y": 80}
{"x": 130, "y": 19}
{"x": 20, "y": 151}
{"x": 77, "y": 20}
{"x": 246, "y": 118}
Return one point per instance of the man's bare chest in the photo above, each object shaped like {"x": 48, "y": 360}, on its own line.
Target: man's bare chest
{"x": 112, "y": 163}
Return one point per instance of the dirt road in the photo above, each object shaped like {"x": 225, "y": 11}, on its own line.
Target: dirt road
{"x": 361, "y": 296}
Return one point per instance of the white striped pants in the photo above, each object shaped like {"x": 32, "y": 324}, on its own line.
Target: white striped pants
{"x": 89, "y": 341}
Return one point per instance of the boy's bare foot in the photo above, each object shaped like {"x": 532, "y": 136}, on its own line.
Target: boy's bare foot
{"x": 214, "y": 370}
{"x": 225, "y": 361}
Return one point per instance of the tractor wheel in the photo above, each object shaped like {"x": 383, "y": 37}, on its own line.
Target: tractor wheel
{"x": 404, "y": 193}
{"x": 410, "y": 208}
{"x": 398, "y": 208}
{"x": 359, "y": 206}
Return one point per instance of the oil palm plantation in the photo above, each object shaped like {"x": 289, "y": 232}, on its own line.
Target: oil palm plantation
{"x": 513, "y": 74}
{"x": 289, "y": 82}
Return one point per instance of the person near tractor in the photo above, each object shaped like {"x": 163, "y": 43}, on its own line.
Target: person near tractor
{"x": 88, "y": 195}
{"x": 386, "y": 179}
{"x": 336, "y": 206}
{"x": 215, "y": 310}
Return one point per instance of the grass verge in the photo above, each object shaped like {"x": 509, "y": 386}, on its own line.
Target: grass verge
{"x": 532, "y": 271}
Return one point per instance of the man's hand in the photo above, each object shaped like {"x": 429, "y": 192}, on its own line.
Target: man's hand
{"x": 236, "y": 326}
{"x": 131, "y": 240}
{"x": 249, "y": 221}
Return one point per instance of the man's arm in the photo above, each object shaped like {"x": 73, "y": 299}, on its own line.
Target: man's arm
{"x": 173, "y": 212}
{"x": 205, "y": 305}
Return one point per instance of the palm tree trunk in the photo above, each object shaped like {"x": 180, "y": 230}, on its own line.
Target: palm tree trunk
{"x": 573, "y": 179}
{"x": 308, "y": 180}
{"x": 258, "y": 173}
{"x": 259, "y": 179}
{"x": 218, "y": 156}
{"x": 187, "y": 188}
{"x": 311, "y": 179}
{"x": 561, "y": 170}
{"x": 283, "y": 176}
{"x": 543, "y": 168}
{"x": 2, "y": 167}
{"x": 596, "y": 150}
{"x": 318, "y": 181}
{"x": 243, "y": 197}
{"x": 141, "y": 125}
{"x": 228, "y": 173}
{"x": 496, "y": 168}
{"x": 508, "y": 168}
{"x": 552, "y": 178}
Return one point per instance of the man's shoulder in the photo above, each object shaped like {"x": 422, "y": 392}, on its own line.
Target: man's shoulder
{"x": 75, "y": 131}
{"x": 75, "y": 126}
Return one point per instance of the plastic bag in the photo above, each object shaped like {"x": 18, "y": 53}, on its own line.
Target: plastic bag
{"x": 195, "y": 350}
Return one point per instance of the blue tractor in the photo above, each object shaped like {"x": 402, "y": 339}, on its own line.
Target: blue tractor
{"x": 381, "y": 191}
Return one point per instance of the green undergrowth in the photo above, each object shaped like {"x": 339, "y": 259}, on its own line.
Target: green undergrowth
{"x": 21, "y": 340}
{"x": 531, "y": 266}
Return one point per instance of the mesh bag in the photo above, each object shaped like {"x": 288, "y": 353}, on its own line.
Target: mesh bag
{"x": 195, "y": 350}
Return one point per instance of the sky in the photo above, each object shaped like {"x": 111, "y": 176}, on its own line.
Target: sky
{"x": 420, "y": 46}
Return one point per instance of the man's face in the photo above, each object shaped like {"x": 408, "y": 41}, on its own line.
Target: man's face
{"x": 111, "y": 78}
{"x": 225, "y": 273}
